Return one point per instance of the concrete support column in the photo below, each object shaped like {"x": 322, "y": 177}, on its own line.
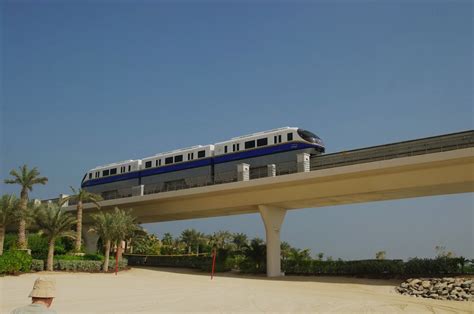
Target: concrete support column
{"x": 271, "y": 170}
{"x": 273, "y": 218}
{"x": 90, "y": 239}
{"x": 243, "y": 172}
{"x": 303, "y": 161}
{"x": 138, "y": 190}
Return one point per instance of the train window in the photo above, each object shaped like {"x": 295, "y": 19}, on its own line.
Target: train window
{"x": 113, "y": 171}
{"x": 156, "y": 163}
{"x": 97, "y": 174}
{"x": 225, "y": 149}
{"x": 275, "y": 139}
{"x": 148, "y": 164}
{"x": 262, "y": 142}
{"x": 105, "y": 173}
{"x": 159, "y": 162}
{"x": 129, "y": 168}
{"x": 201, "y": 153}
{"x": 192, "y": 156}
{"x": 238, "y": 147}
{"x": 90, "y": 175}
{"x": 279, "y": 138}
{"x": 249, "y": 144}
{"x": 233, "y": 147}
{"x": 168, "y": 160}
{"x": 178, "y": 158}
{"x": 289, "y": 136}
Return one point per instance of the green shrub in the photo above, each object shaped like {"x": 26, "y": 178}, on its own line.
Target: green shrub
{"x": 122, "y": 264}
{"x": 438, "y": 266}
{"x": 77, "y": 265}
{"x": 86, "y": 265}
{"x": 37, "y": 265}
{"x": 10, "y": 242}
{"x": 234, "y": 261}
{"x": 39, "y": 246}
{"x": 249, "y": 267}
{"x": 192, "y": 261}
{"x": 85, "y": 257}
{"x": 13, "y": 261}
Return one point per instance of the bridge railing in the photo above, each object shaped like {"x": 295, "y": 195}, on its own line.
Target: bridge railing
{"x": 396, "y": 150}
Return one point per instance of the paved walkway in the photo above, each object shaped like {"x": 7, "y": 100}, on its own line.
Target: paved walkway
{"x": 170, "y": 290}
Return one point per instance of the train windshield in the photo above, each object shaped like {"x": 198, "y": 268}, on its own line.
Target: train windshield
{"x": 308, "y": 136}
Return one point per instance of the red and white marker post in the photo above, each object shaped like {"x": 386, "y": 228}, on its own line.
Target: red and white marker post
{"x": 214, "y": 253}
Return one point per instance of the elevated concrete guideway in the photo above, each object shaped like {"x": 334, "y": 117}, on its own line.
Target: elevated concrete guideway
{"x": 414, "y": 175}
{"x": 434, "y": 174}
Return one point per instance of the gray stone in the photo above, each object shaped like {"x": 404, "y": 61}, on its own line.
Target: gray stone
{"x": 414, "y": 282}
{"x": 426, "y": 284}
{"x": 466, "y": 283}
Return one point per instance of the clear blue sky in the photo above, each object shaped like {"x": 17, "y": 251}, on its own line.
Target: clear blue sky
{"x": 92, "y": 82}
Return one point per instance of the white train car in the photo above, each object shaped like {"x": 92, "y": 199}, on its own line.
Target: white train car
{"x": 184, "y": 167}
{"x": 203, "y": 165}
{"x": 115, "y": 179}
{"x": 278, "y": 146}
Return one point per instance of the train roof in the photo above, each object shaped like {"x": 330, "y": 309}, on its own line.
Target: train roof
{"x": 114, "y": 164}
{"x": 286, "y": 128}
{"x": 180, "y": 150}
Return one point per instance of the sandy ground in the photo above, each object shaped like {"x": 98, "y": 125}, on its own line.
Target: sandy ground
{"x": 172, "y": 290}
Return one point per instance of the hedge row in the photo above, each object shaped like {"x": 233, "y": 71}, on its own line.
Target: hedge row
{"x": 169, "y": 261}
{"x": 37, "y": 265}
{"x": 385, "y": 268}
{"x": 374, "y": 268}
{"x": 87, "y": 266}
{"x": 12, "y": 262}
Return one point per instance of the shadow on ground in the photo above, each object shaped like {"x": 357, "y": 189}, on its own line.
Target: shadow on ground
{"x": 320, "y": 279}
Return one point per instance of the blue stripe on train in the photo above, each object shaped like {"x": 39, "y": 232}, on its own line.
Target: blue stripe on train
{"x": 203, "y": 162}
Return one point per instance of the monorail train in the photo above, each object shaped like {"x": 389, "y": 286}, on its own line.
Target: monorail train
{"x": 203, "y": 165}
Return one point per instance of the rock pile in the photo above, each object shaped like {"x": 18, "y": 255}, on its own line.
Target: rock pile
{"x": 459, "y": 289}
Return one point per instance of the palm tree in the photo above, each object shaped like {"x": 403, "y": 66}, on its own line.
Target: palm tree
{"x": 299, "y": 255}
{"x": 190, "y": 237}
{"x": 256, "y": 253}
{"x": 104, "y": 225}
{"x": 8, "y": 206}
{"x": 113, "y": 227}
{"x": 55, "y": 223}
{"x": 26, "y": 178}
{"x": 81, "y": 196}
{"x": 167, "y": 239}
{"x": 124, "y": 227}
{"x": 380, "y": 255}
{"x": 285, "y": 249}
{"x": 220, "y": 239}
{"x": 240, "y": 240}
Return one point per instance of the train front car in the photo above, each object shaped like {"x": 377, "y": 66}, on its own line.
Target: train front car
{"x": 278, "y": 147}
{"x": 312, "y": 138}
